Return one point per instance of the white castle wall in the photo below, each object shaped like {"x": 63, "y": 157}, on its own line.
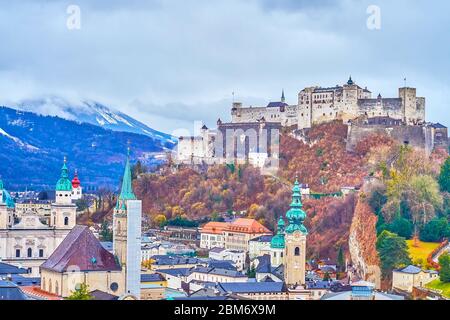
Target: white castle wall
{"x": 318, "y": 105}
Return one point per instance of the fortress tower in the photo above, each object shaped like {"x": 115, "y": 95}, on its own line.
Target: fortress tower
{"x": 413, "y": 107}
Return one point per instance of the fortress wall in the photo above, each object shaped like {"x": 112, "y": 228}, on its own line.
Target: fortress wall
{"x": 287, "y": 117}
{"x": 415, "y": 136}
{"x": 248, "y": 114}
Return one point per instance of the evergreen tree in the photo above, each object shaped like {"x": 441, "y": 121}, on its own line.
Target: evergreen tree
{"x": 341, "y": 259}
{"x": 138, "y": 169}
{"x": 105, "y": 233}
{"x": 401, "y": 226}
{"x": 393, "y": 252}
{"x": 444, "y": 263}
{"x": 435, "y": 230}
{"x": 444, "y": 177}
{"x": 251, "y": 272}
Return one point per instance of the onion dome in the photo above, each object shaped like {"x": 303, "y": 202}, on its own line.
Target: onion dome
{"x": 277, "y": 241}
{"x": 295, "y": 214}
{"x": 75, "y": 181}
{"x": 64, "y": 183}
{"x": 6, "y": 197}
{"x": 350, "y": 81}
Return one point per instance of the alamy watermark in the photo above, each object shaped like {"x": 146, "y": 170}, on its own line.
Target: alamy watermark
{"x": 374, "y": 19}
{"x": 73, "y": 21}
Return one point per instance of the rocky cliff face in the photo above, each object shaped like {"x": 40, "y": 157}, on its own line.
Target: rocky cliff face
{"x": 362, "y": 243}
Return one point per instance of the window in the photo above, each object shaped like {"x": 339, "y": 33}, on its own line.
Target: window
{"x": 66, "y": 221}
{"x": 29, "y": 252}
{"x": 41, "y": 253}
{"x": 17, "y": 253}
{"x": 297, "y": 251}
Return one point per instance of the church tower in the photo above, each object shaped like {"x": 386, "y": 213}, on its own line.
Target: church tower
{"x": 6, "y": 209}
{"x": 127, "y": 222}
{"x": 295, "y": 241}
{"x": 77, "y": 190}
{"x": 277, "y": 245}
{"x": 64, "y": 212}
{"x": 120, "y": 218}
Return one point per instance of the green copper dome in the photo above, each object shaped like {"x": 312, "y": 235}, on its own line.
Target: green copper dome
{"x": 278, "y": 240}
{"x": 126, "y": 193}
{"x": 6, "y": 197}
{"x": 296, "y": 215}
{"x": 64, "y": 184}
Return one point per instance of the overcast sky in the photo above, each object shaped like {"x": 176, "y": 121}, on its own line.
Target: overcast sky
{"x": 169, "y": 63}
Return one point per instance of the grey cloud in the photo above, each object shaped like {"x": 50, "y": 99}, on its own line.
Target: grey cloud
{"x": 171, "y": 62}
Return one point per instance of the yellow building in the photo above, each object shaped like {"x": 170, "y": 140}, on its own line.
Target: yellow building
{"x": 153, "y": 286}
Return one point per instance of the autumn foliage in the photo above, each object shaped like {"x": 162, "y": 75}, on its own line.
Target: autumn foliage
{"x": 320, "y": 160}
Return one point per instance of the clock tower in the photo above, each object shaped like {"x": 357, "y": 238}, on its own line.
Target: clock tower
{"x": 295, "y": 241}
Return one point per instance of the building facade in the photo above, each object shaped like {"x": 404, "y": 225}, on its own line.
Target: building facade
{"x": 237, "y": 257}
{"x": 407, "y": 278}
{"x": 231, "y": 235}
{"x": 30, "y": 242}
{"x": 256, "y": 143}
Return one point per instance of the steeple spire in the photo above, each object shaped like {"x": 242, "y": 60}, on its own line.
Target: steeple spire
{"x": 126, "y": 192}
{"x": 283, "y": 99}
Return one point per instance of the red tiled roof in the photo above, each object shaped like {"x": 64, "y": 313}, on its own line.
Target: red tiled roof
{"x": 215, "y": 227}
{"x": 240, "y": 225}
{"x": 248, "y": 226}
{"x": 37, "y": 293}
{"x": 81, "y": 250}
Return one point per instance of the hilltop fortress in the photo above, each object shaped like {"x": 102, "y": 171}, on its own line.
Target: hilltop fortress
{"x": 256, "y": 128}
{"x": 318, "y": 105}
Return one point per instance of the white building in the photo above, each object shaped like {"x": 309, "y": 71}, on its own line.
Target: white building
{"x": 213, "y": 235}
{"x": 206, "y": 274}
{"x": 259, "y": 246}
{"x": 236, "y": 256}
{"x": 29, "y": 242}
{"x": 411, "y": 276}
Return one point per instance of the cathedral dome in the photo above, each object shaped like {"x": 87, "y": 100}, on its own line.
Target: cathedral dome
{"x": 64, "y": 183}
